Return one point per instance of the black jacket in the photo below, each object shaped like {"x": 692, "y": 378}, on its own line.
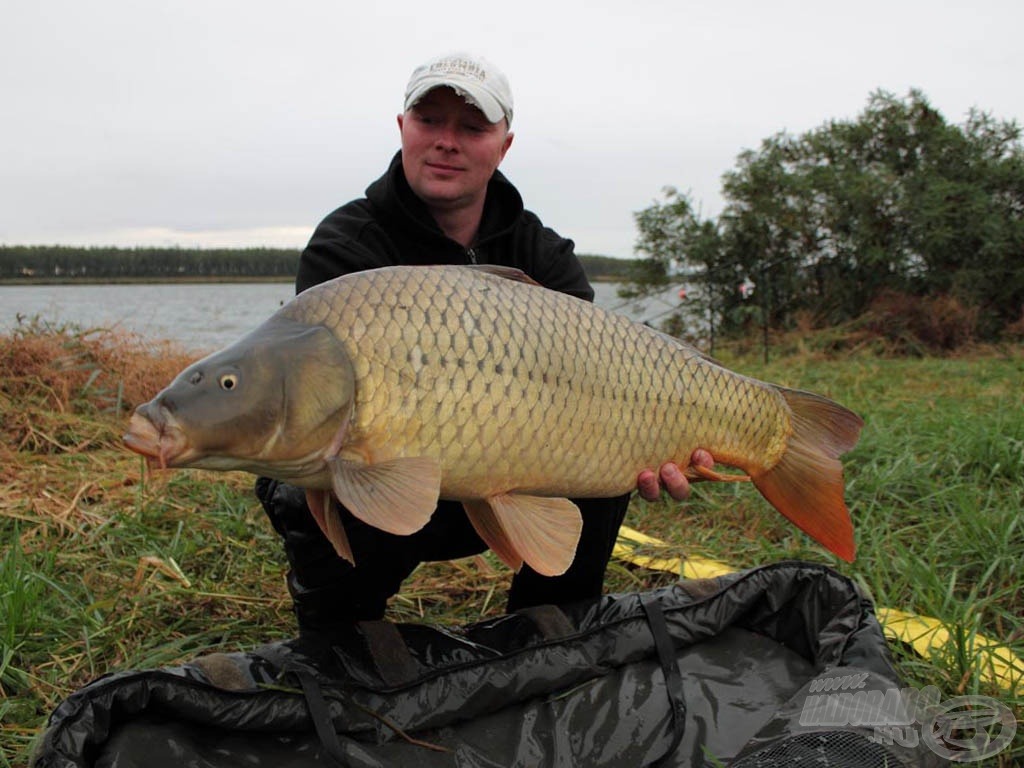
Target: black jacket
{"x": 391, "y": 226}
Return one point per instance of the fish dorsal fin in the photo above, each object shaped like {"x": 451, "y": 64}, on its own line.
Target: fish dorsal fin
{"x": 489, "y": 529}
{"x": 688, "y": 348}
{"x": 543, "y": 531}
{"x": 509, "y": 273}
{"x": 327, "y": 516}
{"x": 397, "y": 496}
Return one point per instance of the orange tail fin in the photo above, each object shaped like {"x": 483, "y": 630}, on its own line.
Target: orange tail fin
{"x": 806, "y": 485}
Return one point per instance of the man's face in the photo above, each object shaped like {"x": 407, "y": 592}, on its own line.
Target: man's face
{"x": 450, "y": 150}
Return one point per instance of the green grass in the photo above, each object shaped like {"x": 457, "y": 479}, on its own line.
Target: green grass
{"x": 936, "y": 492}
{"x": 104, "y": 569}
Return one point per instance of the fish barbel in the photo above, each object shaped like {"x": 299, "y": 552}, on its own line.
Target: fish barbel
{"x": 391, "y": 388}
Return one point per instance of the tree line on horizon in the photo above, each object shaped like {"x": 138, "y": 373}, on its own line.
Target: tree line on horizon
{"x": 896, "y": 217}
{"x": 61, "y": 263}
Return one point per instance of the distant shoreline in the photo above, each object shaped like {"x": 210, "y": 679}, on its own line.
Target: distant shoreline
{"x": 140, "y": 280}
{"x": 185, "y": 280}
{"x": 65, "y": 265}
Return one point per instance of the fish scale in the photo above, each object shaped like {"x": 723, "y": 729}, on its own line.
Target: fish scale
{"x": 576, "y": 381}
{"x": 390, "y": 388}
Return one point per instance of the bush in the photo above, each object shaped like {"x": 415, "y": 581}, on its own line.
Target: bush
{"x": 918, "y": 324}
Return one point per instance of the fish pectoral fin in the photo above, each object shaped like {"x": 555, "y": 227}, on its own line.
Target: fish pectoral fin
{"x": 486, "y": 524}
{"x": 327, "y": 516}
{"x": 397, "y": 496}
{"x": 543, "y": 531}
{"x": 695, "y": 474}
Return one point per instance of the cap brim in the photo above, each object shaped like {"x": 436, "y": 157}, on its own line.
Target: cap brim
{"x": 475, "y": 95}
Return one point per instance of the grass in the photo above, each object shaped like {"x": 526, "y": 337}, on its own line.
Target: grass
{"x": 105, "y": 568}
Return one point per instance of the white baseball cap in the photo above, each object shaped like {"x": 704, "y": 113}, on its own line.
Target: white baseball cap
{"x": 475, "y": 79}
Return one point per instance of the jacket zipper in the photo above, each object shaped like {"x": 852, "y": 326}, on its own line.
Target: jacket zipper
{"x": 472, "y": 255}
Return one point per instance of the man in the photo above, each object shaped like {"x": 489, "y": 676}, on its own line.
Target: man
{"x": 441, "y": 201}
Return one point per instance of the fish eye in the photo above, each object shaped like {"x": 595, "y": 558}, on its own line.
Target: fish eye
{"x": 229, "y": 381}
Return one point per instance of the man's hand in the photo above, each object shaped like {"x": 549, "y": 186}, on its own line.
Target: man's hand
{"x": 671, "y": 476}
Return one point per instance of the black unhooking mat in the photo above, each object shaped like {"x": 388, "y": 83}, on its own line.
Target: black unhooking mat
{"x": 703, "y": 673}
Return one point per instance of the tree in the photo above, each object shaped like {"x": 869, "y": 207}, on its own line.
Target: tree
{"x": 679, "y": 250}
{"x": 897, "y": 200}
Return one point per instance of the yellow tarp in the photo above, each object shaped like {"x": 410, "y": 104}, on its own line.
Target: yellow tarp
{"x": 997, "y": 663}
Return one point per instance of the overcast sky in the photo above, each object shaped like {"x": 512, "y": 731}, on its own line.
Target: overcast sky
{"x": 223, "y": 123}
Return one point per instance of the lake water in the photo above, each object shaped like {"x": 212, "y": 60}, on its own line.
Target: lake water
{"x": 200, "y": 316}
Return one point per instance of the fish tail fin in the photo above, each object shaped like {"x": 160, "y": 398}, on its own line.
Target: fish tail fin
{"x": 806, "y": 484}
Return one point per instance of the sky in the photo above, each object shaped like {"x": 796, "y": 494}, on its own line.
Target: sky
{"x": 236, "y": 124}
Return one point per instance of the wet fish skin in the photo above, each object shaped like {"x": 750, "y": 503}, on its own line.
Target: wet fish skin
{"x": 465, "y": 384}
{"x": 234, "y": 410}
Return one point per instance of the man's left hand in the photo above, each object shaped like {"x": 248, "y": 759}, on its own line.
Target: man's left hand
{"x": 671, "y": 477}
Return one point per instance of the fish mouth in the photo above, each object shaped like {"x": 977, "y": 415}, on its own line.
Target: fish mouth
{"x": 161, "y": 441}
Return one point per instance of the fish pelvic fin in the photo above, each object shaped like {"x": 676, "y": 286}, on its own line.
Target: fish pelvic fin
{"x": 397, "y": 496}
{"x": 541, "y": 531}
{"x": 806, "y": 484}
{"x": 325, "y": 512}
{"x": 486, "y": 524}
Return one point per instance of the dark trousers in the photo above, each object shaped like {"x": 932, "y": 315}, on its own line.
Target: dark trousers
{"x": 327, "y": 590}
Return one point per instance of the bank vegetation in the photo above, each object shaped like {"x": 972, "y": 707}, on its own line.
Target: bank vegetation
{"x": 108, "y": 567}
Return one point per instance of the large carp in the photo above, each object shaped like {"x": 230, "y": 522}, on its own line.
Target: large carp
{"x": 391, "y": 388}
